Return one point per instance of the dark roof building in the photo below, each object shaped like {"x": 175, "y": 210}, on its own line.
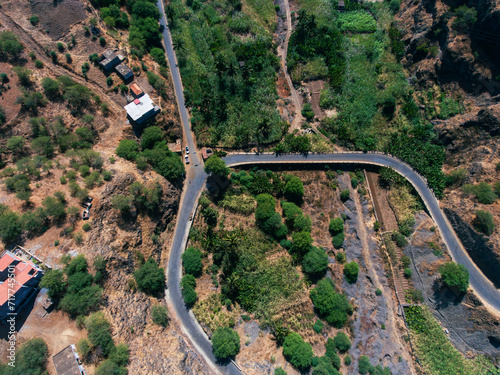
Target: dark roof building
{"x": 124, "y": 72}
{"x": 19, "y": 281}
{"x": 109, "y": 60}
{"x": 67, "y": 362}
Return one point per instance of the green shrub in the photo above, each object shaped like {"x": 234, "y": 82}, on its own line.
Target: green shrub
{"x": 378, "y": 292}
{"x": 358, "y": 21}
{"x": 340, "y": 256}
{"x": 329, "y": 304}
{"x": 34, "y": 20}
{"x": 345, "y": 195}
{"x": 338, "y": 240}
{"x": 109, "y": 81}
{"x": 150, "y": 277}
{"x": 159, "y": 315}
{"x": 455, "y": 276}
{"x": 225, "y": 342}
{"x": 351, "y": 272}
{"x": 407, "y": 273}
{"x": 484, "y": 222}
{"x": 99, "y": 333}
{"x": 297, "y": 351}
{"x": 331, "y": 353}
{"x": 465, "y": 18}
{"x": 151, "y": 136}
{"x": 128, "y": 149}
{"x": 280, "y": 371}
{"x": 347, "y": 360}
{"x": 315, "y": 263}
{"x": 323, "y": 365}
{"x": 301, "y": 244}
{"x": 188, "y": 283}
{"x": 336, "y": 225}
{"x": 364, "y": 365}
{"x": 342, "y": 342}
{"x": 191, "y": 261}
{"x": 318, "y": 326}
{"x": 294, "y": 188}
{"x": 30, "y": 359}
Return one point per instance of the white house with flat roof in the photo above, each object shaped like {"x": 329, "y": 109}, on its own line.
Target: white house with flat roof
{"x": 141, "y": 109}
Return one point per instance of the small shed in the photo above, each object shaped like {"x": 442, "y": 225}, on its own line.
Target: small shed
{"x": 206, "y": 153}
{"x": 176, "y": 147}
{"x": 136, "y": 90}
{"x": 124, "y": 72}
{"x": 66, "y": 362}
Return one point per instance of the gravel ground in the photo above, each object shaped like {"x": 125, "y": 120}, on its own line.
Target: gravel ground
{"x": 380, "y": 345}
{"x": 454, "y": 313}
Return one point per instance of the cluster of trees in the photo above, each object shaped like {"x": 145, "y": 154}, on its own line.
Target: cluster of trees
{"x": 191, "y": 261}
{"x": 155, "y": 152}
{"x": 143, "y": 197}
{"x": 315, "y": 51}
{"x": 336, "y": 228}
{"x": 100, "y": 345}
{"x": 484, "y": 192}
{"x": 294, "y": 143}
{"x": 150, "y": 277}
{"x": 229, "y": 81}
{"x": 31, "y": 358}
{"x": 365, "y": 367}
{"x": 74, "y": 289}
{"x": 10, "y": 46}
{"x": 330, "y": 305}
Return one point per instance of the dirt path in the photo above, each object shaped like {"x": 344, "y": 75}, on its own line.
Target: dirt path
{"x": 31, "y": 43}
{"x": 391, "y": 322}
{"x": 283, "y": 52}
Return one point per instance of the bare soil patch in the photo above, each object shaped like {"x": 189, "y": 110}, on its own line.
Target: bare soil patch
{"x": 9, "y": 92}
{"x": 384, "y": 212}
{"x": 315, "y": 88}
{"x": 56, "y": 17}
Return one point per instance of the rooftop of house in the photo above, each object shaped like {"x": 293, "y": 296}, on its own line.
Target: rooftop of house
{"x": 7, "y": 259}
{"x": 123, "y": 69}
{"x": 140, "y": 107}
{"x": 66, "y": 363}
{"x": 136, "y": 90}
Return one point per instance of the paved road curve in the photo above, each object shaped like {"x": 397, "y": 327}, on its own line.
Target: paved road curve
{"x": 483, "y": 287}
{"x": 193, "y": 186}
{"x": 196, "y": 179}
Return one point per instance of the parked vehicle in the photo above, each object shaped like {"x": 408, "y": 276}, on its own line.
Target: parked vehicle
{"x": 186, "y": 158}
{"x": 187, "y": 150}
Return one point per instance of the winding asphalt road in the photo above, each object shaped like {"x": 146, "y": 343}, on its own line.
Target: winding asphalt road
{"x": 195, "y": 181}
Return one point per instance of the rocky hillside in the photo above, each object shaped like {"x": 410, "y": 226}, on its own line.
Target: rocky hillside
{"x": 454, "y": 45}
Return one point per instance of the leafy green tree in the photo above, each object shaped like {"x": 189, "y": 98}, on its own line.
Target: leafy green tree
{"x": 225, "y": 342}
{"x": 342, "y": 342}
{"x": 109, "y": 367}
{"x": 165, "y": 162}
{"x": 43, "y": 146}
{"x": 24, "y": 75}
{"x": 34, "y": 20}
{"x": 3, "y": 117}
{"x": 331, "y": 353}
{"x": 280, "y": 371}
{"x": 345, "y": 195}
{"x": 51, "y": 88}
{"x": 465, "y": 18}
{"x": 191, "y": 261}
{"x": 364, "y": 365}
{"x": 159, "y": 315}
{"x": 301, "y": 244}
{"x": 54, "y": 209}
{"x": 10, "y": 46}
{"x": 455, "y": 276}
{"x": 188, "y": 283}
{"x": 351, "y": 271}
{"x": 128, "y": 149}
{"x": 336, "y": 225}
{"x": 158, "y": 55}
{"x": 30, "y": 359}
{"x": 315, "y": 263}
{"x": 10, "y": 225}
{"x": 216, "y": 166}
{"x": 16, "y": 145}
{"x": 82, "y": 302}
{"x": 294, "y": 188}
{"x": 324, "y": 367}
{"x": 150, "y": 277}
{"x": 120, "y": 355}
{"x": 122, "y": 203}
{"x": 78, "y": 97}
{"x": 19, "y": 183}
{"x": 151, "y": 136}
{"x": 31, "y": 100}
{"x": 484, "y": 222}
{"x": 297, "y": 351}
{"x": 332, "y": 306}
{"x": 53, "y": 280}
{"x": 144, "y": 9}
{"x": 99, "y": 333}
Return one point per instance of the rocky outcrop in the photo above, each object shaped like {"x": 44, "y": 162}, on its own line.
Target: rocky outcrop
{"x": 436, "y": 53}
{"x": 123, "y": 240}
